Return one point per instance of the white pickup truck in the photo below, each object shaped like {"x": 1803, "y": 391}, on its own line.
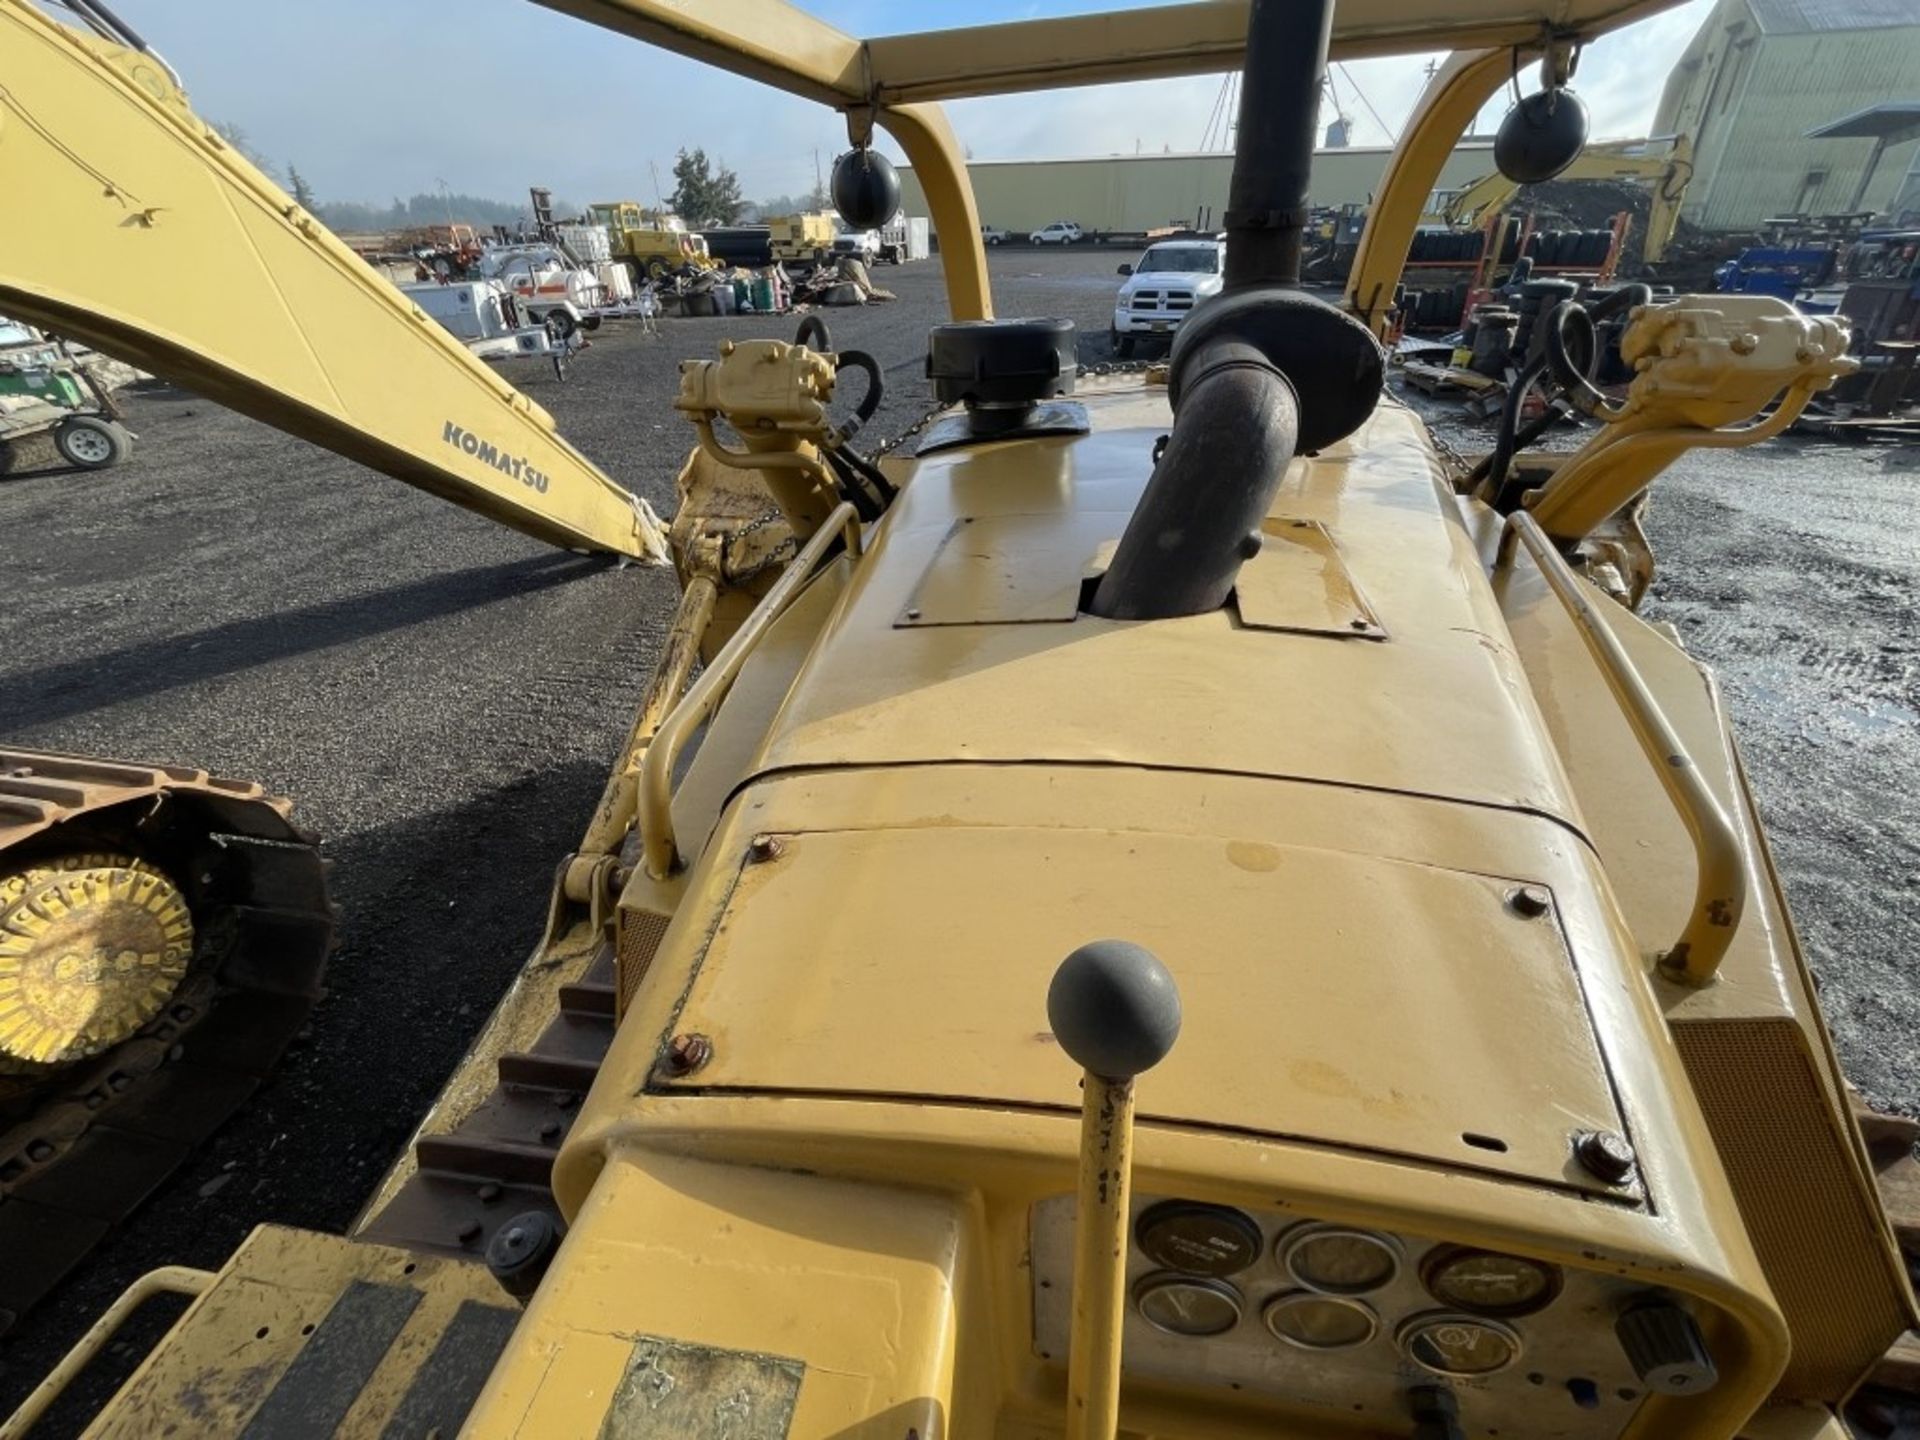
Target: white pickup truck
{"x": 1161, "y": 291}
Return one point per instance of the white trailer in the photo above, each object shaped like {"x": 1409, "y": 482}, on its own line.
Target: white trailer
{"x": 485, "y": 316}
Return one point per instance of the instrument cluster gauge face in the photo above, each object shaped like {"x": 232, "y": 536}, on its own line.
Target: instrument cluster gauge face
{"x": 1320, "y": 1322}
{"x": 1198, "y": 1239}
{"x": 1188, "y": 1305}
{"x": 1460, "y": 1346}
{"x": 1488, "y": 1283}
{"x": 1336, "y": 1260}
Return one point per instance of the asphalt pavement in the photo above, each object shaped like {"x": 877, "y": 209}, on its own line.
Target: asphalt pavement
{"x": 442, "y": 698}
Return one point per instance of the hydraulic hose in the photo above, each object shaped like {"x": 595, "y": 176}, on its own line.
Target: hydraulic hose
{"x": 812, "y": 326}
{"x": 1573, "y": 372}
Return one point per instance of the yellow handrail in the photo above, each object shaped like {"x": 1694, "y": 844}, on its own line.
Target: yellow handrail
{"x": 662, "y": 855}
{"x": 167, "y": 1280}
{"x": 1720, "y": 889}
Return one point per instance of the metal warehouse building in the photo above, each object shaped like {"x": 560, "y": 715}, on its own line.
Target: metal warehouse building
{"x": 1759, "y": 75}
{"x": 1142, "y": 192}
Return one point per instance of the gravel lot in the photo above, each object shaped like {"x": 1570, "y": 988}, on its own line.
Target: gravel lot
{"x": 442, "y": 697}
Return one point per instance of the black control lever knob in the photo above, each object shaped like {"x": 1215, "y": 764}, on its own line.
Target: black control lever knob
{"x": 1666, "y": 1349}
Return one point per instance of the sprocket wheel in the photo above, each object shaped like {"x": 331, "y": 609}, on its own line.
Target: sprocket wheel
{"x": 92, "y": 946}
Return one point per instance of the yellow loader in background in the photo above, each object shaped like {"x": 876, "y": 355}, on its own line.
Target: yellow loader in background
{"x": 1172, "y": 910}
{"x": 653, "y": 246}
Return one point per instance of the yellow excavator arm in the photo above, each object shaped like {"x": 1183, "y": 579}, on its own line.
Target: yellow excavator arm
{"x": 133, "y": 226}
{"x": 1668, "y": 170}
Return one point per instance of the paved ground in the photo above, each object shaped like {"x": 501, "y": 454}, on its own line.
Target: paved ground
{"x": 442, "y": 698}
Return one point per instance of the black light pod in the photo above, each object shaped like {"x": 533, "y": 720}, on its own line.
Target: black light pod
{"x": 866, "y": 188}
{"x": 1541, "y": 136}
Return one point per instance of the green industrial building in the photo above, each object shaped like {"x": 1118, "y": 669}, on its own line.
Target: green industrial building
{"x": 1756, "y": 79}
{"x": 1144, "y": 192}
{"x": 1760, "y": 75}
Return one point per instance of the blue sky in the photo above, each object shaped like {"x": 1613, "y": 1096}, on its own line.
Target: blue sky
{"x": 376, "y": 98}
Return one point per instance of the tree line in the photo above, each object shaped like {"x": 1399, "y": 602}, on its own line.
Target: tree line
{"x": 705, "y": 192}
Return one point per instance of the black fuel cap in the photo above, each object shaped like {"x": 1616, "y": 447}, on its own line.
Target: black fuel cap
{"x": 1001, "y": 362}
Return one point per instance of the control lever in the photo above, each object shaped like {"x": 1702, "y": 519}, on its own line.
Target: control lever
{"x": 1436, "y": 1414}
{"x": 1115, "y": 1011}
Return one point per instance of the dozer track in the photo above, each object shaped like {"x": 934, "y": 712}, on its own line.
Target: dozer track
{"x": 162, "y": 936}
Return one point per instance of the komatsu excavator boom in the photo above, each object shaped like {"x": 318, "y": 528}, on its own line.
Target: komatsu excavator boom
{"x": 174, "y": 253}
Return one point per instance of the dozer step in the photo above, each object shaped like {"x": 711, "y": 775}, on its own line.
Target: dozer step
{"x": 496, "y": 1162}
{"x": 313, "y": 1335}
{"x": 588, "y": 998}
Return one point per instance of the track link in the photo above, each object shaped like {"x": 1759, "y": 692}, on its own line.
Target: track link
{"x": 83, "y": 1146}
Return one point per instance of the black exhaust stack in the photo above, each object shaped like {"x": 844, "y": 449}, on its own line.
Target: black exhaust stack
{"x": 1260, "y": 369}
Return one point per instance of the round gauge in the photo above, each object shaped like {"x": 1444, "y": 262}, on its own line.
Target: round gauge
{"x": 1198, "y": 1239}
{"x": 1489, "y": 1283}
{"x": 1458, "y": 1345}
{"x": 1320, "y": 1322}
{"x": 1186, "y": 1305}
{"x": 1338, "y": 1261}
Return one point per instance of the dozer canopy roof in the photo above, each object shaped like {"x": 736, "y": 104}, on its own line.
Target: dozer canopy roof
{"x": 781, "y": 44}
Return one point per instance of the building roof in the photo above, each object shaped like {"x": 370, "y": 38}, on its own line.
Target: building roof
{"x": 1795, "y": 17}
{"x": 1892, "y": 121}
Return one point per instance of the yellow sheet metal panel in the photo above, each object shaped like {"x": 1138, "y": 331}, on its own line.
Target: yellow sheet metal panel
{"x": 1300, "y": 582}
{"x": 1757, "y": 1052}
{"x": 1648, "y": 854}
{"x": 175, "y": 254}
{"x": 991, "y": 569}
{"x": 1446, "y": 708}
{"x": 685, "y": 1286}
{"x": 1278, "y": 951}
{"x": 969, "y": 802}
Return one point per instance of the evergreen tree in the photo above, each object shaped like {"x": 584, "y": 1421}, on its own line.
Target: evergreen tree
{"x": 704, "y": 194}
{"x": 302, "y": 192}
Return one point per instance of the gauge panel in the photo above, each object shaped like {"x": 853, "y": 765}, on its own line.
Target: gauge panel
{"x": 1198, "y": 1239}
{"x": 1483, "y": 1282}
{"x": 1337, "y": 1260}
{"x": 1188, "y": 1305}
{"x": 1342, "y": 1318}
{"x": 1310, "y": 1321}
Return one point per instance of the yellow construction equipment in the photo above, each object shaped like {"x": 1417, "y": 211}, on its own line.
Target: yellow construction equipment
{"x": 175, "y": 254}
{"x": 649, "y": 244}
{"x": 806, "y": 236}
{"x": 1665, "y": 165}
{"x": 145, "y": 910}
{"x": 1171, "y": 910}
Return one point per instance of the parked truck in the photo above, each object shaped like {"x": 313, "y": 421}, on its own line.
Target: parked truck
{"x": 906, "y": 238}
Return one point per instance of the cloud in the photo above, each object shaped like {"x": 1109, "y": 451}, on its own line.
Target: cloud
{"x": 371, "y": 98}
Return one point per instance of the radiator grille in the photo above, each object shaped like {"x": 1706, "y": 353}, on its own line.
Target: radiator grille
{"x": 639, "y": 937}
{"x": 1819, "y": 1238}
